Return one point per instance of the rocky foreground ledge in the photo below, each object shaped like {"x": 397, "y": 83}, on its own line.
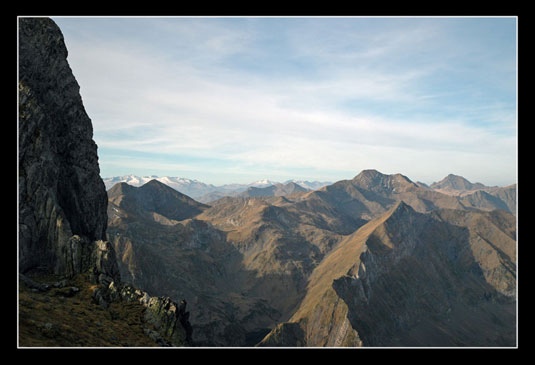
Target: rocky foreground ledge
{"x": 73, "y": 312}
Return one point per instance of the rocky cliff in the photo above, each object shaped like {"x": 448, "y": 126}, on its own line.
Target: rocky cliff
{"x": 62, "y": 199}
{"x": 61, "y": 194}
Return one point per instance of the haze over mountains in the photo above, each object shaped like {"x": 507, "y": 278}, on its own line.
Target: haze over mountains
{"x": 206, "y": 192}
{"x": 472, "y": 194}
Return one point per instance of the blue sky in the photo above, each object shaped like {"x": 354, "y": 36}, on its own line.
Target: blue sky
{"x": 238, "y": 99}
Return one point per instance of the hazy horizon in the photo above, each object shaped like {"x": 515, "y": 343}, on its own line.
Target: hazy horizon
{"x": 284, "y": 180}
{"x": 240, "y": 99}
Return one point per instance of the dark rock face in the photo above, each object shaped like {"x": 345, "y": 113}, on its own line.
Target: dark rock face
{"x": 60, "y": 191}
{"x": 62, "y": 199}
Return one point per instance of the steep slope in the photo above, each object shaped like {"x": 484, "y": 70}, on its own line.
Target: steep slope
{"x": 409, "y": 279}
{"x": 347, "y": 204}
{"x": 60, "y": 190}
{"x": 253, "y": 264}
{"x": 264, "y": 231}
{"x": 477, "y": 195}
{"x": 480, "y": 199}
{"x": 187, "y": 259}
{"x": 242, "y": 263}
{"x": 492, "y": 198}
{"x": 507, "y": 195}
{"x": 377, "y": 182}
{"x": 280, "y": 247}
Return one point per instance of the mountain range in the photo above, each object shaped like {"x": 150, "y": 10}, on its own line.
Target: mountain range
{"x": 206, "y": 192}
{"x": 377, "y": 260}
{"x": 469, "y": 194}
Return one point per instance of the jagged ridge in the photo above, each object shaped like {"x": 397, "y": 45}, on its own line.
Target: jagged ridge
{"x": 408, "y": 278}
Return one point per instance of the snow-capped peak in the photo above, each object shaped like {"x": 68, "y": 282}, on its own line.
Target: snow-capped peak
{"x": 262, "y": 183}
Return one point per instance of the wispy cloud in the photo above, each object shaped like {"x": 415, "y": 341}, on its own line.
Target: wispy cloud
{"x": 322, "y": 97}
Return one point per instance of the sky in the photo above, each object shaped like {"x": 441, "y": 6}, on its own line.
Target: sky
{"x": 239, "y": 99}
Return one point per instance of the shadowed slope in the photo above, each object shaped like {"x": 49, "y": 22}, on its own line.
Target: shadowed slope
{"x": 155, "y": 197}
{"x": 411, "y": 279}
{"x": 190, "y": 259}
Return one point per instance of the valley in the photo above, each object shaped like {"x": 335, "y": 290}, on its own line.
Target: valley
{"x": 306, "y": 262}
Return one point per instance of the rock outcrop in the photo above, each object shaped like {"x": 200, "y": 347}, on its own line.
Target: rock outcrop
{"x": 62, "y": 199}
{"x": 170, "y": 321}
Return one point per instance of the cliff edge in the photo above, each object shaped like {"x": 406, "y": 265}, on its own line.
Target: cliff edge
{"x": 62, "y": 199}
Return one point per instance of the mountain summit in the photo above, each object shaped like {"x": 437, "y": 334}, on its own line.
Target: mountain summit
{"x": 156, "y": 197}
{"x": 375, "y": 181}
{"x": 456, "y": 183}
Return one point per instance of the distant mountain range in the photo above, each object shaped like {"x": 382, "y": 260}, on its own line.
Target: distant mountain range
{"x": 377, "y": 260}
{"x": 203, "y": 192}
{"x": 468, "y": 194}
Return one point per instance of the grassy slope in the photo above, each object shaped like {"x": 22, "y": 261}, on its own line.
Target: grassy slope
{"x": 50, "y": 319}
